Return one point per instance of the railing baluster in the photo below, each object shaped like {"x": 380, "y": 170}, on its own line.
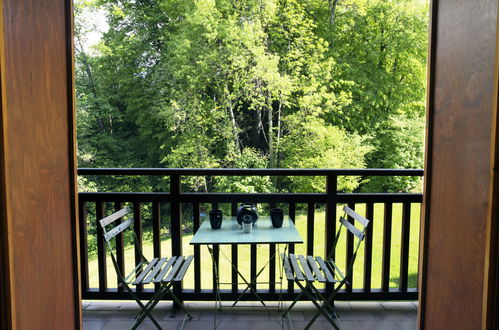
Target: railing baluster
{"x": 176, "y": 222}
{"x": 156, "y": 229}
{"x": 404, "y": 248}
{"x": 197, "y": 248}
{"x": 387, "y": 241}
{"x": 101, "y": 251}
{"x": 176, "y": 218}
{"x": 349, "y": 252}
{"x": 253, "y": 265}
{"x": 156, "y": 232}
{"x": 368, "y": 254}
{"x": 272, "y": 269}
{"x": 272, "y": 257}
{"x": 216, "y": 255}
{"x": 216, "y": 266}
{"x": 82, "y": 209}
{"x": 234, "y": 254}
{"x": 137, "y": 228}
{"x": 120, "y": 248}
{"x": 329, "y": 232}
{"x": 233, "y": 209}
{"x": 310, "y": 229}
{"x": 291, "y": 247}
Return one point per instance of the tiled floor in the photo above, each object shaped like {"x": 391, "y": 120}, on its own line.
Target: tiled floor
{"x": 354, "y": 315}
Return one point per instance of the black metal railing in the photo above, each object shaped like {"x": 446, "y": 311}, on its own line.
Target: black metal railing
{"x": 177, "y": 199}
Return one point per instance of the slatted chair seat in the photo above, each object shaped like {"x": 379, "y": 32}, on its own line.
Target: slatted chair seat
{"x": 163, "y": 272}
{"x": 309, "y": 269}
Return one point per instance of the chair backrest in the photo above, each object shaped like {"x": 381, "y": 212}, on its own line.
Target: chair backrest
{"x": 108, "y": 235}
{"x": 358, "y": 232}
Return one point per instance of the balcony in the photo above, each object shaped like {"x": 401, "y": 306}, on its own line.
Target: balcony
{"x": 386, "y": 268}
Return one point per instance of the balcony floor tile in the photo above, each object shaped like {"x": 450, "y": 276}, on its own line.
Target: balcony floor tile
{"x": 355, "y": 316}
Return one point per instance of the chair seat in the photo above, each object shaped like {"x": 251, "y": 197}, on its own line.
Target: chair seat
{"x": 310, "y": 269}
{"x": 161, "y": 270}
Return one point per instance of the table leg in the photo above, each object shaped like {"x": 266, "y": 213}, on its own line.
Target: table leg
{"x": 249, "y": 285}
{"x": 217, "y": 287}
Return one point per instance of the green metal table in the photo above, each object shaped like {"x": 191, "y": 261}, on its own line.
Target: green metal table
{"x": 231, "y": 233}
{"x": 262, "y": 233}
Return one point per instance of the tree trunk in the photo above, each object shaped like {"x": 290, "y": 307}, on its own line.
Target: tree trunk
{"x": 91, "y": 82}
{"x": 270, "y": 112}
{"x": 278, "y": 138}
{"x": 235, "y": 128}
{"x": 332, "y": 9}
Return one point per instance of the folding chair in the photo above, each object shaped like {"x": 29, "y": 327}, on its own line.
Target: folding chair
{"x": 315, "y": 269}
{"x": 161, "y": 271}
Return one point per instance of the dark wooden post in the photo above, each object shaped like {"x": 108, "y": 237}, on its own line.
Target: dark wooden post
{"x": 176, "y": 221}
{"x": 38, "y": 203}
{"x": 331, "y": 190}
{"x": 461, "y": 165}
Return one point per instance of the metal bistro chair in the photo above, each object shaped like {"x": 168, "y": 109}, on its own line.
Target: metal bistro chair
{"x": 315, "y": 269}
{"x": 164, "y": 271}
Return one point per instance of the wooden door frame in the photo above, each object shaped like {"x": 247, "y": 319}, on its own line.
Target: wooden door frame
{"x": 490, "y": 315}
{"x": 3, "y": 301}
{"x": 491, "y": 291}
{"x": 490, "y": 304}
{"x": 4, "y": 282}
{"x": 425, "y": 209}
{"x": 74, "y": 162}
{"x": 9, "y": 305}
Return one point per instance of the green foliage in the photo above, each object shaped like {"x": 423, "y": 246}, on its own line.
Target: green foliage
{"x": 380, "y": 47}
{"x": 252, "y": 83}
{"x": 314, "y": 144}
{"x": 399, "y": 145}
{"x": 248, "y": 158}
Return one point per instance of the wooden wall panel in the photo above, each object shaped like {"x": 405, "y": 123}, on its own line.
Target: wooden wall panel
{"x": 38, "y": 164}
{"x": 463, "y": 55}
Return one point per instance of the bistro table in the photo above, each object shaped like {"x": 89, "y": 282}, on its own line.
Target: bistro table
{"x": 231, "y": 233}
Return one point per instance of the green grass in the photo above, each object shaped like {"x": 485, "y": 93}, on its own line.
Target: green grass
{"x": 301, "y": 224}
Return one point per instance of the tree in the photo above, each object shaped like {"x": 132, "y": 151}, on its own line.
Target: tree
{"x": 254, "y": 83}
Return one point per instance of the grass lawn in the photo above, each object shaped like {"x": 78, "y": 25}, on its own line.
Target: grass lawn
{"x": 301, "y": 224}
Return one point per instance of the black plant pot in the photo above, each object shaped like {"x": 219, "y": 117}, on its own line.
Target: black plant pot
{"x": 277, "y": 217}
{"x": 248, "y": 212}
{"x": 216, "y": 219}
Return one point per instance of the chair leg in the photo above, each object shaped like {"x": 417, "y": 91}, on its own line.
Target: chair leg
{"x": 327, "y": 303}
{"x": 293, "y": 303}
{"x": 307, "y": 291}
{"x": 178, "y": 302}
{"x": 157, "y": 295}
{"x": 145, "y": 311}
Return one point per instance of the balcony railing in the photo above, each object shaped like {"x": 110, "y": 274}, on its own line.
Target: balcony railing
{"x": 384, "y": 279}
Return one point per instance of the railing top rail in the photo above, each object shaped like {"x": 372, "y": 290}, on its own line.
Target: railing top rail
{"x": 186, "y": 197}
{"x": 249, "y": 171}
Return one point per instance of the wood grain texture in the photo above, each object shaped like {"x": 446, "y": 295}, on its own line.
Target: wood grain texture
{"x": 490, "y": 315}
{"x": 38, "y": 165}
{"x": 5, "y": 308}
{"x": 460, "y": 106}
{"x": 3, "y": 298}
{"x": 494, "y": 318}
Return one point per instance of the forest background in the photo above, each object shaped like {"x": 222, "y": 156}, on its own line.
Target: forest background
{"x": 251, "y": 84}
